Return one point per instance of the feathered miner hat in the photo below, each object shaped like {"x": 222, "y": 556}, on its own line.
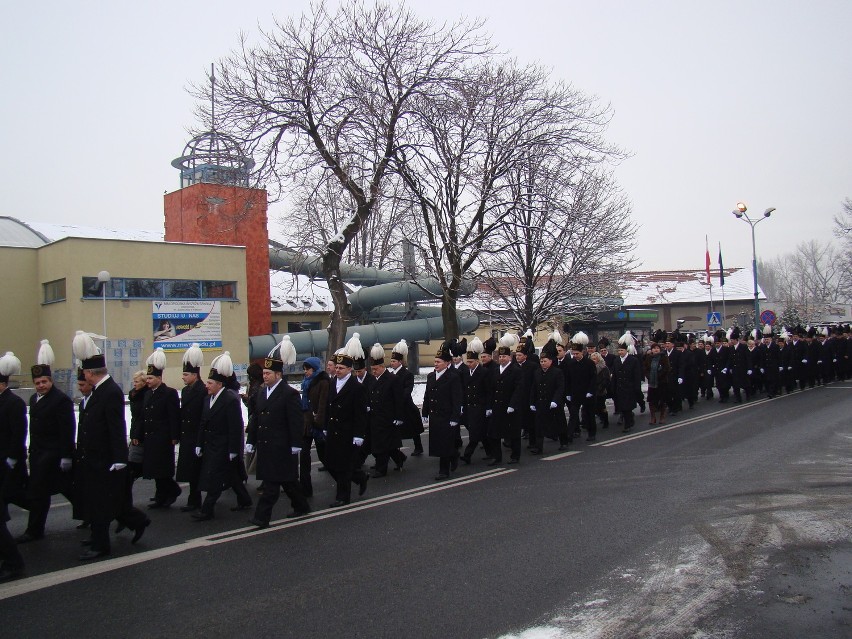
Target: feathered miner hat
{"x": 458, "y": 347}
{"x": 659, "y": 336}
{"x": 87, "y": 352}
{"x": 81, "y": 377}
{"x": 444, "y": 352}
{"x": 356, "y": 352}
{"x": 193, "y": 359}
{"x": 489, "y": 345}
{"x": 9, "y": 365}
{"x": 734, "y": 333}
{"x": 556, "y": 336}
{"x": 549, "y": 349}
{"x": 400, "y": 351}
{"x": 526, "y": 344}
{"x": 221, "y": 368}
{"x": 767, "y": 330}
{"x": 627, "y": 341}
{"x": 156, "y": 363}
{"x": 474, "y": 349}
{"x": 579, "y": 341}
{"x": 603, "y": 342}
{"x": 44, "y": 360}
{"x": 377, "y": 354}
{"x": 275, "y": 359}
{"x": 507, "y": 343}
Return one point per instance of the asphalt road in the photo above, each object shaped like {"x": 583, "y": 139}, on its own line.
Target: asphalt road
{"x": 730, "y": 521}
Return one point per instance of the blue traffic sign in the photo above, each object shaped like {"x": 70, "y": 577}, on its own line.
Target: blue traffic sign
{"x": 768, "y": 317}
{"x": 714, "y": 319}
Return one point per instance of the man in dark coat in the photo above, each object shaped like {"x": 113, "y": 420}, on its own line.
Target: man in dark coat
{"x": 508, "y": 400}
{"x": 52, "y": 429}
{"x": 719, "y": 359}
{"x": 677, "y": 375}
{"x": 412, "y": 425}
{"x": 384, "y": 402}
{"x": 563, "y": 362}
{"x": 160, "y": 433}
{"x": 527, "y": 360}
{"x": 276, "y": 432}
{"x": 770, "y": 362}
{"x": 627, "y": 383}
{"x": 220, "y": 441}
{"x": 192, "y": 397}
{"x": 345, "y": 428}
{"x": 799, "y": 357}
{"x": 13, "y": 435}
{"x": 547, "y": 397}
{"x": 580, "y": 392}
{"x": 738, "y": 364}
{"x": 101, "y": 465}
{"x": 477, "y": 388}
{"x": 442, "y": 408}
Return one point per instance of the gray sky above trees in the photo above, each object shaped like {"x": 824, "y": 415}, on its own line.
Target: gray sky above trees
{"x": 717, "y": 102}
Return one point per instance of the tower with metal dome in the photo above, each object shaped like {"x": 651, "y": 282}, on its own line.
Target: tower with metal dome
{"x": 215, "y": 204}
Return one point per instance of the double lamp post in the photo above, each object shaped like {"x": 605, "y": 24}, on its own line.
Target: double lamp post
{"x": 740, "y": 213}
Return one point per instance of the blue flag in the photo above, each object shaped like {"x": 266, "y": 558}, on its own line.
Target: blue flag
{"x": 721, "y": 268}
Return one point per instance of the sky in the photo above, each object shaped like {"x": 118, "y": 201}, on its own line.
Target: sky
{"x": 717, "y": 102}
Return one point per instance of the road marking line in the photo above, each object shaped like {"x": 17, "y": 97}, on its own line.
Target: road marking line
{"x": 561, "y": 455}
{"x": 47, "y": 580}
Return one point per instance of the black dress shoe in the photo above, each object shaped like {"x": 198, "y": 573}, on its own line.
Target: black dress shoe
{"x": 26, "y": 538}
{"x": 494, "y": 462}
{"x": 465, "y": 459}
{"x": 362, "y": 485}
{"x": 88, "y": 555}
{"x": 590, "y": 439}
{"x": 454, "y": 463}
{"x": 157, "y": 505}
{"x": 535, "y": 451}
{"x": 338, "y": 504}
{"x": 140, "y": 530}
{"x": 417, "y": 453}
{"x": 297, "y": 513}
{"x": 240, "y": 507}
{"x": 563, "y": 447}
{"x": 189, "y": 508}
{"x": 513, "y": 461}
{"x": 201, "y": 516}
{"x": 86, "y": 542}
{"x": 377, "y": 474}
{"x": 8, "y": 574}
{"x": 258, "y": 523}
{"x": 82, "y": 525}
{"x": 402, "y": 463}
{"x": 441, "y": 477}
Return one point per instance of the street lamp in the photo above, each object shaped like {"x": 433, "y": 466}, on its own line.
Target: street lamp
{"x": 740, "y": 213}
{"x": 104, "y": 278}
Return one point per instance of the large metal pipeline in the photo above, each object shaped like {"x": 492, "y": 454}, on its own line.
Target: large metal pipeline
{"x": 309, "y": 343}
{"x": 284, "y": 259}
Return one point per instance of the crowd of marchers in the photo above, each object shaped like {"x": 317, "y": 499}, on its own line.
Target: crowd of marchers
{"x": 501, "y": 392}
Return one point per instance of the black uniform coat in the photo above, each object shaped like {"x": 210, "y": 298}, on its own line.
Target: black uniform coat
{"x": 478, "y": 390}
{"x": 739, "y": 365}
{"x": 220, "y": 435}
{"x": 580, "y": 379}
{"x": 442, "y": 404}
{"x": 101, "y": 442}
{"x": 275, "y": 427}
{"x": 13, "y": 438}
{"x": 798, "y": 358}
{"x": 626, "y": 383}
{"x": 508, "y": 392}
{"x": 345, "y": 419}
{"x": 161, "y": 426}
{"x": 720, "y": 358}
{"x": 384, "y": 396}
{"x": 771, "y": 362}
{"x": 52, "y": 427}
{"x": 548, "y": 387}
{"x": 412, "y": 425}
{"x": 192, "y": 398}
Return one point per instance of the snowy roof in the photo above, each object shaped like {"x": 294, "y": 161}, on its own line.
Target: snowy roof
{"x": 298, "y": 293}
{"x": 649, "y": 288}
{"x": 14, "y": 232}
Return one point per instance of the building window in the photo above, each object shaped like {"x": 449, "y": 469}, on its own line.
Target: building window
{"x": 214, "y": 289}
{"x": 151, "y": 288}
{"x": 92, "y": 287}
{"x": 54, "y": 291}
{"x": 296, "y": 327}
{"x": 182, "y": 289}
{"x": 138, "y": 287}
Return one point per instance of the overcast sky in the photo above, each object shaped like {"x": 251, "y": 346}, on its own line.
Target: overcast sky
{"x": 717, "y": 101}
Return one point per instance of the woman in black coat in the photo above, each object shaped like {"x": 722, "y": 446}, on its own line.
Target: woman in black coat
{"x": 657, "y": 370}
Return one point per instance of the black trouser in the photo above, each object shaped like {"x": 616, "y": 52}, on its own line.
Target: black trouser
{"x": 129, "y": 516}
{"x": 269, "y": 498}
{"x": 305, "y": 462}
{"x": 194, "y": 499}
{"x": 582, "y": 407}
{"x": 345, "y": 479}
{"x": 601, "y": 411}
{"x": 38, "y": 507}
{"x": 166, "y": 491}
{"x": 629, "y": 419}
{"x": 418, "y": 445}
{"x": 382, "y": 459}
{"x": 10, "y": 556}
{"x": 239, "y": 488}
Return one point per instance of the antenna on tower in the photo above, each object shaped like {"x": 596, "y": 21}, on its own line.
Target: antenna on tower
{"x": 212, "y": 96}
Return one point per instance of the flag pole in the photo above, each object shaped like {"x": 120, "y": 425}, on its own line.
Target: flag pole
{"x": 707, "y": 267}
{"x": 722, "y": 285}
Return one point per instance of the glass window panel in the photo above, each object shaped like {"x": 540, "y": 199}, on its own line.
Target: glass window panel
{"x": 92, "y": 287}
{"x": 143, "y": 288}
{"x": 54, "y": 291}
{"x": 215, "y": 289}
{"x": 182, "y": 289}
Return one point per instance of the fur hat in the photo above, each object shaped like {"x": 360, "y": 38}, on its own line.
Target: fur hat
{"x": 9, "y": 365}
{"x": 377, "y": 354}
{"x": 507, "y": 343}
{"x": 400, "y": 351}
{"x": 445, "y": 352}
{"x": 549, "y": 350}
{"x": 489, "y": 346}
{"x": 474, "y": 349}
{"x": 579, "y": 341}
{"x": 44, "y": 360}
{"x": 193, "y": 359}
{"x": 156, "y": 363}
{"x": 87, "y": 352}
{"x": 355, "y": 351}
{"x": 221, "y": 368}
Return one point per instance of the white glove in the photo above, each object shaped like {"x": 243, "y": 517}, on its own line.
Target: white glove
{"x": 249, "y": 448}
{"x": 488, "y": 412}
{"x": 358, "y": 441}
{"x": 789, "y": 368}
{"x": 510, "y": 410}
{"x": 295, "y": 450}
{"x": 11, "y": 463}
{"x": 804, "y": 361}
{"x": 589, "y": 395}
{"x": 198, "y": 451}
{"x": 553, "y": 404}
{"x": 532, "y": 408}
{"x": 232, "y": 456}
{"x": 368, "y": 409}
{"x": 568, "y": 398}
{"x": 819, "y": 361}
{"x": 680, "y": 380}
{"x": 454, "y": 424}
{"x": 118, "y": 467}
{"x": 724, "y": 371}
{"x": 397, "y": 422}
{"x": 425, "y": 421}
{"x": 762, "y": 372}
{"x": 748, "y": 372}
{"x": 834, "y": 360}
{"x": 709, "y": 372}
{"x": 65, "y": 464}
{"x": 780, "y": 369}
{"x": 462, "y": 410}
{"x": 325, "y": 433}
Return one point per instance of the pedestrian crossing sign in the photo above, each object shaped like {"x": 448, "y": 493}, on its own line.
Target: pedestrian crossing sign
{"x": 714, "y": 319}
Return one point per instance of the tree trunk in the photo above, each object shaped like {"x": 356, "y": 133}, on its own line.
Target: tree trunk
{"x": 340, "y": 316}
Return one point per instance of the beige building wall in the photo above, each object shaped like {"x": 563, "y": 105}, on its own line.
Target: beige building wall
{"x": 75, "y": 258}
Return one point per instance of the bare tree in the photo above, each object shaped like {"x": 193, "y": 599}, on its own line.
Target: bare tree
{"x": 567, "y": 246}
{"x": 462, "y": 167}
{"x": 331, "y": 91}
